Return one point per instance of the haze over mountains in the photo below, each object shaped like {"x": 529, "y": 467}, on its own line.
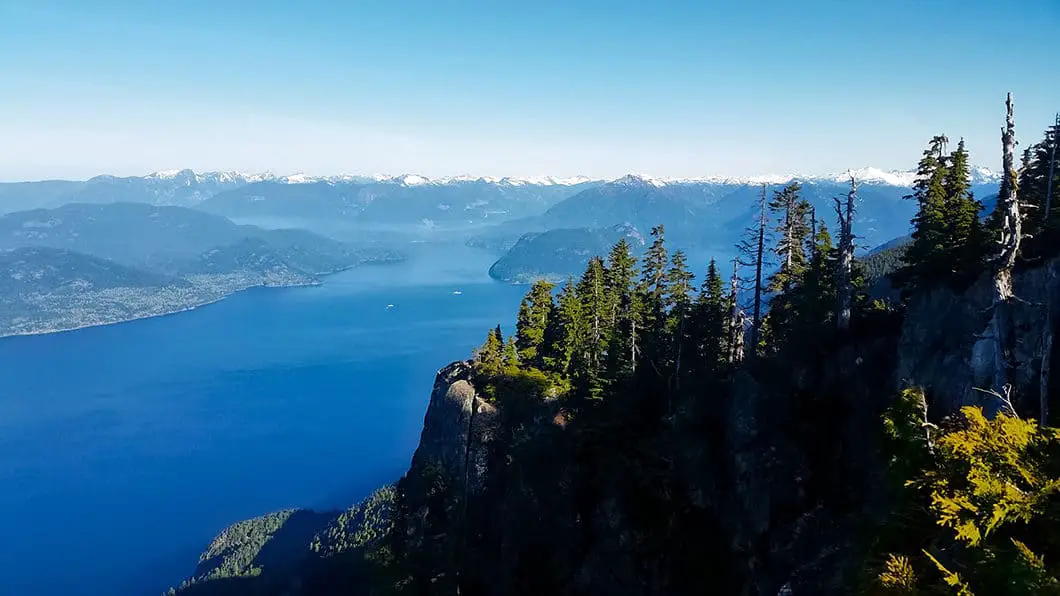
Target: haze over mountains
{"x": 86, "y": 264}
{"x": 111, "y": 248}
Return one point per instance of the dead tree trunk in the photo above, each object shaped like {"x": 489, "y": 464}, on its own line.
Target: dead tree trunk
{"x": 756, "y": 321}
{"x": 736, "y": 317}
{"x": 1052, "y": 168}
{"x": 813, "y": 234}
{"x": 1047, "y": 351}
{"x": 1010, "y": 235}
{"x": 844, "y": 290}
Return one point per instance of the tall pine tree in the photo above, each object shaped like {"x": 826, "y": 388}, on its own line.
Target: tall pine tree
{"x": 792, "y": 229}
{"x": 535, "y": 312}
{"x": 710, "y": 317}
{"x": 925, "y": 260}
{"x": 653, "y": 292}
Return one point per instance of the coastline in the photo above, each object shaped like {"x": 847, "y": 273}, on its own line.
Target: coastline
{"x": 204, "y": 303}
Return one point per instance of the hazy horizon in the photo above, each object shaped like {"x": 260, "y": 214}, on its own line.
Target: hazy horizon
{"x": 599, "y": 90}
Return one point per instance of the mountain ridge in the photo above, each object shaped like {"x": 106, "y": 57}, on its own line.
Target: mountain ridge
{"x": 869, "y": 174}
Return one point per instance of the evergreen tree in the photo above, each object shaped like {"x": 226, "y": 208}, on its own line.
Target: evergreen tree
{"x": 653, "y": 272}
{"x": 966, "y": 239}
{"x": 679, "y": 304}
{"x": 819, "y": 288}
{"x": 845, "y": 257}
{"x": 619, "y": 276}
{"x": 489, "y": 358}
{"x": 792, "y": 231}
{"x": 535, "y": 312}
{"x": 623, "y": 307}
{"x": 565, "y": 330}
{"x": 510, "y": 357}
{"x": 1039, "y": 184}
{"x": 653, "y": 293}
{"x": 591, "y": 337}
{"x": 710, "y": 316}
{"x": 925, "y": 260}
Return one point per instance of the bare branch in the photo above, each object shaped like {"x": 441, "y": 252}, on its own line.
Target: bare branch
{"x": 1006, "y": 399}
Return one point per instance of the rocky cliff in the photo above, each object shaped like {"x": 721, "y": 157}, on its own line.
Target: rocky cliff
{"x": 946, "y": 347}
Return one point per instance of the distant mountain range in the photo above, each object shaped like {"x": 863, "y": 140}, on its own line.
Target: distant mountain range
{"x": 704, "y": 219}
{"x": 703, "y": 216}
{"x": 89, "y": 264}
{"x": 455, "y": 199}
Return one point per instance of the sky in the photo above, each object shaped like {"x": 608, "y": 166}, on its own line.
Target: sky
{"x": 498, "y": 87}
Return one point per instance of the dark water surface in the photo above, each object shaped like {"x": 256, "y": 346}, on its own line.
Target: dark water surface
{"x": 125, "y": 448}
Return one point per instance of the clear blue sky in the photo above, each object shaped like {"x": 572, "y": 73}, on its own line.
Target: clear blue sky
{"x": 496, "y": 87}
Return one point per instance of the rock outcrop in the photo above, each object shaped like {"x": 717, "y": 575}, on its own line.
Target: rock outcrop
{"x": 945, "y": 345}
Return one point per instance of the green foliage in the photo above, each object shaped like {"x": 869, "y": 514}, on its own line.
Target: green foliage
{"x": 489, "y": 357}
{"x": 360, "y": 526}
{"x": 925, "y": 257}
{"x": 709, "y": 320}
{"x": 792, "y": 230}
{"x": 983, "y": 498}
{"x": 1040, "y": 222}
{"x": 949, "y": 242}
{"x": 535, "y": 312}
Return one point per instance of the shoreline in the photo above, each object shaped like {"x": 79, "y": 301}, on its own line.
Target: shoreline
{"x": 143, "y": 317}
{"x": 153, "y": 316}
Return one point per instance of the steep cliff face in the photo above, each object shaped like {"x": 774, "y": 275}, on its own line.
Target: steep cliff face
{"x": 448, "y": 470}
{"x": 946, "y": 346}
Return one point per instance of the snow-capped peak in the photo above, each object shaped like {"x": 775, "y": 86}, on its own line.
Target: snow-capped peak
{"x": 875, "y": 175}
{"x": 981, "y": 175}
{"x": 164, "y": 174}
{"x": 865, "y": 175}
{"x": 298, "y": 178}
{"x": 638, "y": 180}
{"x": 412, "y": 180}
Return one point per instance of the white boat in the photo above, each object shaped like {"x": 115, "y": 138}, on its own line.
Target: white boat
{"x": 457, "y": 292}
{"x": 389, "y": 306}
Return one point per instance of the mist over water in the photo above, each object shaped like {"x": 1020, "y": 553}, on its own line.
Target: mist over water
{"x": 124, "y": 449}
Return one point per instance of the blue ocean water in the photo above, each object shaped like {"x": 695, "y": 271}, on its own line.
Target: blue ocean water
{"x": 125, "y": 448}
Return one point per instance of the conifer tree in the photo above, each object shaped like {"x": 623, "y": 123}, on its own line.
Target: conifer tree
{"x": 966, "y": 240}
{"x": 619, "y": 276}
{"x": 792, "y": 230}
{"x": 591, "y": 339}
{"x": 622, "y": 310}
{"x": 624, "y": 348}
{"x": 489, "y": 358}
{"x": 1039, "y": 183}
{"x": 510, "y": 357}
{"x": 653, "y": 272}
{"x": 711, "y": 332}
{"x": 924, "y": 257}
{"x": 535, "y": 312}
{"x": 817, "y": 296}
{"x": 845, "y": 262}
{"x": 653, "y": 292}
{"x": 563, "y": 330}
{"x": 679, "y": 305}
